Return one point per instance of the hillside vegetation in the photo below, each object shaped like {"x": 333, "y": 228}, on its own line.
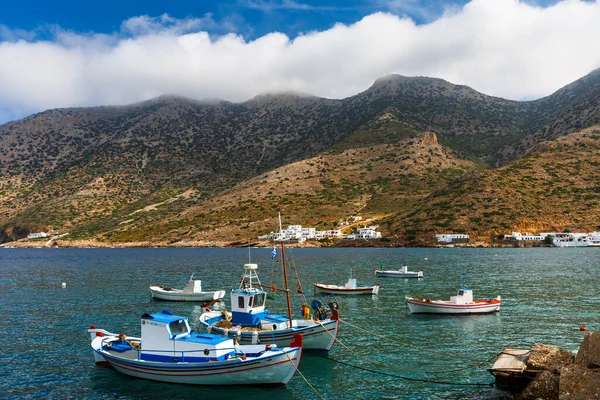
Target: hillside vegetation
{"x": 418, "y": 155}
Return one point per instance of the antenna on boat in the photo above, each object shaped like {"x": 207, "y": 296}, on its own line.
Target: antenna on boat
{"x": 285, "y": 277}
{"x": 249, "y": 259}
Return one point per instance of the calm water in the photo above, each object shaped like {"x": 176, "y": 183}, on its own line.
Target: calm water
{"x": 547, "y": 294}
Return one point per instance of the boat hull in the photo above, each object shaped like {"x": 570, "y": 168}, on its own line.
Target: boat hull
{"x": 443, "y": 307}
{"x": 340, "y": 290}
{"x": 179, "y": 295}
{"x": 319, "y": 336}
{"x": 274, "y": 367}
{"x": 397, "y": 274}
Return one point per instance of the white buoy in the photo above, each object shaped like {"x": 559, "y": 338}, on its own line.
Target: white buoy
{"x": 64, "y": 285}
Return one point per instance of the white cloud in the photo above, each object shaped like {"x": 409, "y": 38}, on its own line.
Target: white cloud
{"x": 504, "y": 48}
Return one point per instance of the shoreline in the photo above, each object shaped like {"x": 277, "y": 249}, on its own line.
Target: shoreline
{"x": 359, "y": 243}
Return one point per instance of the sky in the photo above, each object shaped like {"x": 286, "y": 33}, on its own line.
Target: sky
{"x": 74, "y": 53}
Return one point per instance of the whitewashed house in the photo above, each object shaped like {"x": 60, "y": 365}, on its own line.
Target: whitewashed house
{"x": 368, "y": 233}
{"x": 37, "y": 235}
{"x": 526, "y": 237}
{"x": 452, "y": 237}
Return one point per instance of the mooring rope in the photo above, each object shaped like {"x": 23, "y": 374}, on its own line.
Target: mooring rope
{"x": 303, "y": 377}
{"x": 412, "y": 345}
{"x": 395, "y": 367}
{"x": 407, "y": 378}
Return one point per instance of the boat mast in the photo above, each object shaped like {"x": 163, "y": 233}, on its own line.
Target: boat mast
{"x": 285, "y": 277}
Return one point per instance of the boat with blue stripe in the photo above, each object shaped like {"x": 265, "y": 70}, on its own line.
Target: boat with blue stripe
{"x": 170, "y": 351}
{"x": 250, "y": 322}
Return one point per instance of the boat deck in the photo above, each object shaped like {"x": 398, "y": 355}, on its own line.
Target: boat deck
{"x": 129, "y": 354}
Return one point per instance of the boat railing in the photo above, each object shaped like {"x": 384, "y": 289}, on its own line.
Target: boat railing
{"x": 180, "y": 355}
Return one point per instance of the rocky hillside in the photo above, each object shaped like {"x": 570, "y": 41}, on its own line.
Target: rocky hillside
{"x": 555, "y": 187}
{"x": 175, "y": 167}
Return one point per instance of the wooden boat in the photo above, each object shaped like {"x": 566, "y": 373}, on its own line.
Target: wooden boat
{"x": 191, "y": 292}
{"x": 169, "y": 351}
{"x": 350, "y": 288}
{"x": 462, "y": 303}
{"x": 401, "y": 273}
{"x": 251, "y": 322}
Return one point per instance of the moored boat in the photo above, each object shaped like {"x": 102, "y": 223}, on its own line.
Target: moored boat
{"x": 251, "y": 322}
{"x": 350, "y": 288}
{"x": 401, "y": 273}
{"x": 462, "y": 303}
{"x": 169, "y": 351}
{"x": 191, "y": 292}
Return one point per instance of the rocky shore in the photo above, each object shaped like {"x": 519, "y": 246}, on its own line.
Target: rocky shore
{"x": 562, "y": 378}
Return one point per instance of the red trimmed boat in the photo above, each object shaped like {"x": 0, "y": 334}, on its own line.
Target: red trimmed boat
{"x": 462, "y": 303}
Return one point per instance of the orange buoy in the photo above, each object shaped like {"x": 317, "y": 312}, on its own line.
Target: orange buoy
{"x": 582, "y": 328}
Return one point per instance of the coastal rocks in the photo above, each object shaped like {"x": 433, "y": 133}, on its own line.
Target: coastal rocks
{"x": 577, "y": 382}
{"x": 559, "y": 377}
{"x": 544, "y": 386}
{"x": 548, "y": 358}
{"x": 13, "y": 233}
{"x": 588, "y": 355}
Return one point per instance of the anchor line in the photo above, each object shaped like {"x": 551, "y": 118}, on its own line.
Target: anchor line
{"x": 303, "y": 377}
{"x": 407, "y": 378}
{"x": 412, "y": 345}
{"x": 395, "y": 367}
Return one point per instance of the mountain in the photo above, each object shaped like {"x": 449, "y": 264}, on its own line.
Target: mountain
{"x": 176, "y": 168}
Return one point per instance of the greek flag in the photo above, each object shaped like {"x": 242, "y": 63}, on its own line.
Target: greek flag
{"x": 273, "y": 253}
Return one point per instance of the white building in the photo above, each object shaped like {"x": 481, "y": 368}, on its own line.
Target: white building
{"x": 37, "y": 235}
{"x": 452, "y": 237}
{"x": 368, "y": 233}
{"x": 527, "y": 237}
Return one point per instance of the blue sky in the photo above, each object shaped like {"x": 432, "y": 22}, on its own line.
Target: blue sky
{"x": 77, "y": 53}
{"x": 252, "y": 18}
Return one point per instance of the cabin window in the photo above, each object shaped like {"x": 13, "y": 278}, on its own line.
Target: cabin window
{"x": 177, "y": 327}
{"x": 259, "y": 300}
{"x": 461, "y": 292}
{"x": 241, "y": 302}
{"x": 250, "y": 301}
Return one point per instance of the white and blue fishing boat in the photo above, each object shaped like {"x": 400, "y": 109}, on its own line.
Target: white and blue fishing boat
{"x": 251, "y": 322}
{"x": 169, "y": 351}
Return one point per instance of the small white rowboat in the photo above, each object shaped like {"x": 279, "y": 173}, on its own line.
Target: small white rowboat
{"x": 401, "y": 273}
{"x": 191, "y": 292}
{"x": 349, "y": 288}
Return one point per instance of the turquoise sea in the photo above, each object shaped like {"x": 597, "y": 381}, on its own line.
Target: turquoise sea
{"x": 384, "y": 353}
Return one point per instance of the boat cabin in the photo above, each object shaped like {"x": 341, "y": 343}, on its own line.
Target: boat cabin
{"x": 351, "y": 284}
{"x": 167, "y": 337}
{"x": 248, "y": 304}
{"x": 193, "y": 286}
{"x": 464, "y": 296}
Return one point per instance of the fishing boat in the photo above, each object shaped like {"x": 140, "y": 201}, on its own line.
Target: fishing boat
{"x": 191, "y": 292}
{"x": 169, "y": 351}
{"x": 350, "y": 288}
{"x": 398, "y": 273}
{"x": 462, "y": 303}
{"x": 251, "y": 322}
